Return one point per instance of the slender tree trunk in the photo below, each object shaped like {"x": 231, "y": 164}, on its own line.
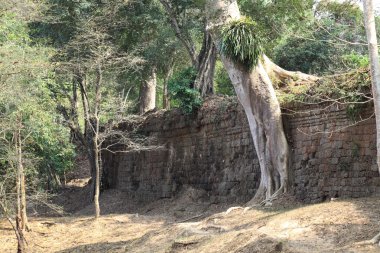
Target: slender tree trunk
{"x": 97, "y": 165}
{"x": 21, "y": 242}
{"x": 74, "y": 111}
{"x": 148, "y": 93}
{"x": 19, "y": 227}
{"x": 181, "y": 35}
{"x": 257, "y": 96}
{"x": 95, "y": 141}
{"x": 71, "y": 116}
{"x": 165, "y": 93}
{"x": 23, "y": 219}
{"x": 369, "y": 20}
{"x": 88, "y": 136}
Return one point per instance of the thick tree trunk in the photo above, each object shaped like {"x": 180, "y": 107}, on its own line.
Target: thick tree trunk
{"x": 206, "y": 66}
{"x": 369, "y": 20}
{"x": 257, "y": 96}
{"x": 370, "y": 26}
{"x": 148, "y": 93}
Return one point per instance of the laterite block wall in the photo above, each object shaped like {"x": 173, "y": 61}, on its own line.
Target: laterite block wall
{"x": 213, "y": 151}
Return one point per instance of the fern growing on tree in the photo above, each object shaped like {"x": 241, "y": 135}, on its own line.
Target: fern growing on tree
{"x": 241, "y": 42}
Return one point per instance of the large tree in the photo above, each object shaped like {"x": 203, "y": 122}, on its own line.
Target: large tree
{"x": 180, "y": 14}
{"x": 32, "y": 144}
{"x": 250, "y": 77}
{"x": 369, "y": 18}
{"x": 86, "y": 70}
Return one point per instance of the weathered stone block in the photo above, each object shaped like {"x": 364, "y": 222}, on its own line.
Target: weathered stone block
{"x": 218, "y": 156}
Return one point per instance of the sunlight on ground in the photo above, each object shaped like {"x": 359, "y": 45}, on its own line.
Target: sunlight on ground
{"x": 327, "y": 227}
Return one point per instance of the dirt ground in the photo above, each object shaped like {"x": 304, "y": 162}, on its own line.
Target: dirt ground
{"x": 186, "y": 224}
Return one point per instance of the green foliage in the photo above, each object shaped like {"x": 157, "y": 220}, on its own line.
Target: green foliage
{"x": 304, "y": 55}
{"x": 11, "y": 29}
{"x": 50, "y": 142}
{"x": 60, "y": 21}
{"x": 333, "y": 41}
{"x": 241, "y": 42}
{"x": 353, "y": 110}
{"x": 26, "y": 106}
{"x": 354, "y": 60}
{"x": 182, "y": 93}
{"x": 142, "y": 27}
{"x": 277, "y": 19}
{"x": 344, "y": 11}
{"x": 222, "y": 82}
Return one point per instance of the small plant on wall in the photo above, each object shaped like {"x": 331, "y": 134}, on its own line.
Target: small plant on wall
{"x": 241, "y": 42}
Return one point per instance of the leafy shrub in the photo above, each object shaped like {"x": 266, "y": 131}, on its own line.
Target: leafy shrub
{"x": 355, "y": 60}
{"x": 223, "y": 83}
{"x": 241, "y": 42}
{"x": 182, "y": 92}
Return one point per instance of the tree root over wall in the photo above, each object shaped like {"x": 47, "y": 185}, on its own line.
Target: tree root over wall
{"x": 255, "y": 92}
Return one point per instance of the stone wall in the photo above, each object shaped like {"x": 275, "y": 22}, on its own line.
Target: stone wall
{"x": 333, "y": 154}
{"x": 213, "y": 151}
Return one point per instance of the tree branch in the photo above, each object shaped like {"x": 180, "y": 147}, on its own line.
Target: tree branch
{"x": 187, "y": 41}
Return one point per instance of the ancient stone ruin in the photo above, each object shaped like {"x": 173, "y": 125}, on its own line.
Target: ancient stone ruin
{"x": 332, "y": 156}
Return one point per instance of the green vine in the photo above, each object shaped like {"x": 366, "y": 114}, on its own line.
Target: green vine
{"x": 241, "y": 42}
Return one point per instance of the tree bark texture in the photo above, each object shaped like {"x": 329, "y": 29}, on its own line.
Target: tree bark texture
{"x": 88, "y": 137}
{"x": 95, "y": 140}
{"x": 206, "y": 66}
{"x": 257, "y": 96}
{"x": 21, "y": 242}
{"x": 148, "y": 93}
{"x": 204, "y": 62}
{"x": 21, "y": 192}
{"x": 370, "y": 27}
{"x": 179, "y": 33}
{"x": 165, "y": 93}
{"x": 97, "y": 173}
{"x": 21, "y": 216}
{"x": 369, "y": 20}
